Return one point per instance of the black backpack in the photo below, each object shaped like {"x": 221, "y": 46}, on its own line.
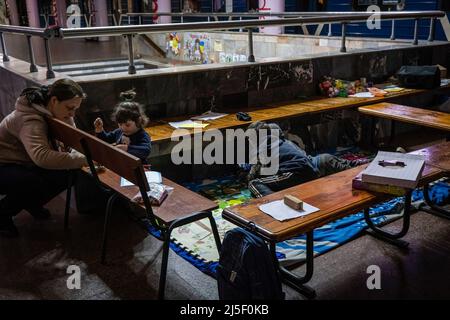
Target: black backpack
{"x": 419, "y": 77}
{"x": 246, "y": 269}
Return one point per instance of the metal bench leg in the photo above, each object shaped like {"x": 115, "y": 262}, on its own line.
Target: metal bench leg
{"x": 392, "y": 238}
{"x": 68, "y": 197}
{"x": 294, "y": 281}
{"x": 164, "y": 262}
{"x": 111, "y": 200}
{"x": 165, "y": 234}
{"x": 215, "y": 232}
{"x": 434, "y": 209}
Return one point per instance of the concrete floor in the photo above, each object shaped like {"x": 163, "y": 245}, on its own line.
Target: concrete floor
{"x": 34, "y": 266}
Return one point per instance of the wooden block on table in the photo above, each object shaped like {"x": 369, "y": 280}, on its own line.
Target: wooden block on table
{"x": 293, "y": 202}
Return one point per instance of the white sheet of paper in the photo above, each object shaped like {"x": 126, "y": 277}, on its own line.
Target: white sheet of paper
{"x": 278, "y": 210}
{"x": 187, "y": 124}
{"x": 209, "y": 116}
{"x": 152, "y": 176}
{"x": 362, "y": 95}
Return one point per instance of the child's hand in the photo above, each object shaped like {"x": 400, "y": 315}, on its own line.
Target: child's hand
{"x": 123, "y": 147}
{"x": 125, "y": 140}
{"x": 98, "y": 124}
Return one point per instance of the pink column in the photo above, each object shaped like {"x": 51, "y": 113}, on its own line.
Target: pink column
{"x": 266, "y": 6}
{"x": 33, "y": 13}
{"x": 61, "y": 9}
{"x": 101, "y": 13}
{"x": 13, "y": 13}
{"x": 164, "y": 6}
{"x": 217, "y": 4}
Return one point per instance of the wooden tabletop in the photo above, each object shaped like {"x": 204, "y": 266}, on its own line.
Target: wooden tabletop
{"x": 161, "y": 131}
{"x": 180, "y": 202}
{"x": 437, "y": 155}
{"x": 418, "y": 116}
{"x": 332, "y": 194}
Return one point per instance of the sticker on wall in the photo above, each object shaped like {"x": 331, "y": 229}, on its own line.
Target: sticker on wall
{"x": 218, "y": 46}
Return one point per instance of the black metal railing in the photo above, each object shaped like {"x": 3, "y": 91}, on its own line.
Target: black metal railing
{"x": 285, "y": 19}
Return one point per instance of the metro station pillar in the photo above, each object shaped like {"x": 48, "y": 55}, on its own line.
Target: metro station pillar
{"x": 266, "y": 6}
{"x": 33, "y": 13}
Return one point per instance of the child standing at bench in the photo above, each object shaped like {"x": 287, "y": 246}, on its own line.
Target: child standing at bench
{"x": 130, "y": 136}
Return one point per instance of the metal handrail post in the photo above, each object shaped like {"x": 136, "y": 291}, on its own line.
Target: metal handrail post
{"x": 393, "y": 30}
{"x": 432, "y": 28}
{"x": 131, "y": 66}
{"x": 5, "y": 53}
{"x": 344, "y": 36}
{"x": 48, "y": 57}
{"x": 416, "y": 31}
{"x": 33, "y": 67}
{"x": 251, "y": 56}
{"x": 329, "y": 30}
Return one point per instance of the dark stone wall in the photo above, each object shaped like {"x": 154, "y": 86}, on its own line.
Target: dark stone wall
{"x": 254, "y": 85}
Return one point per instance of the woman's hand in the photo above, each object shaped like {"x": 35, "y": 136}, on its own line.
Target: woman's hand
{"x": 98, "y": 124}
{"x": 123, "y": 147}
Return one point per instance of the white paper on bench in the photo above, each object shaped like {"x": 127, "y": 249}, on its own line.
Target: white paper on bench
{"x": 278, "y": 210}
{"x": 152, "y": 176}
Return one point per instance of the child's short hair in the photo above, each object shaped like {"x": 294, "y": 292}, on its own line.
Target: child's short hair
{"x": 130, "y": 110}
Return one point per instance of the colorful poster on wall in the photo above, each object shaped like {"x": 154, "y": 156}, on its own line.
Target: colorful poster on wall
{"x": 197, "y": 47}
{"x": 173, "y": 44}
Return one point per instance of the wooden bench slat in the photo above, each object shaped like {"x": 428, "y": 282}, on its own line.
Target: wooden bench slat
{"x": 417, "y": 116}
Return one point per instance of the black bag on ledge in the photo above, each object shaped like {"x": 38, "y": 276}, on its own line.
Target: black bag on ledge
{"x": 419, "y": 77}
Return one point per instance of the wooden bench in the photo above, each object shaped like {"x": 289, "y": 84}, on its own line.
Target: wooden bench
{"x": 161, "y": 131}
{"x": 335, "y": 198}
{"x": 181, "y": 207}
{"x": 417, "y": 116}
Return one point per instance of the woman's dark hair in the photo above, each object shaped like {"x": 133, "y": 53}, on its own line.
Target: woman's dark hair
{"x": 130, "y": 110}
{"x": 63, "y": 89}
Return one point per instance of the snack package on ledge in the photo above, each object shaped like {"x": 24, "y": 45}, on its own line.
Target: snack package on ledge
{"x": 377, "y": 92}
{"x": 157, "y": 194}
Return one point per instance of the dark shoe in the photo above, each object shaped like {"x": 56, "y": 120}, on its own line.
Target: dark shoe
{"x": 7, "y": 228}
{"x": 40, "y": 213}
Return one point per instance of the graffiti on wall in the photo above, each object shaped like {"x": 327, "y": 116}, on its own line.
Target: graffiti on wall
{"x": 231, "y": 57}
{"x": 278, "y": 75}
{"x": 197, "y": 47}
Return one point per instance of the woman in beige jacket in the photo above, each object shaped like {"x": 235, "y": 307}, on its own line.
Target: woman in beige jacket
{"x": 32, "y": 172}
